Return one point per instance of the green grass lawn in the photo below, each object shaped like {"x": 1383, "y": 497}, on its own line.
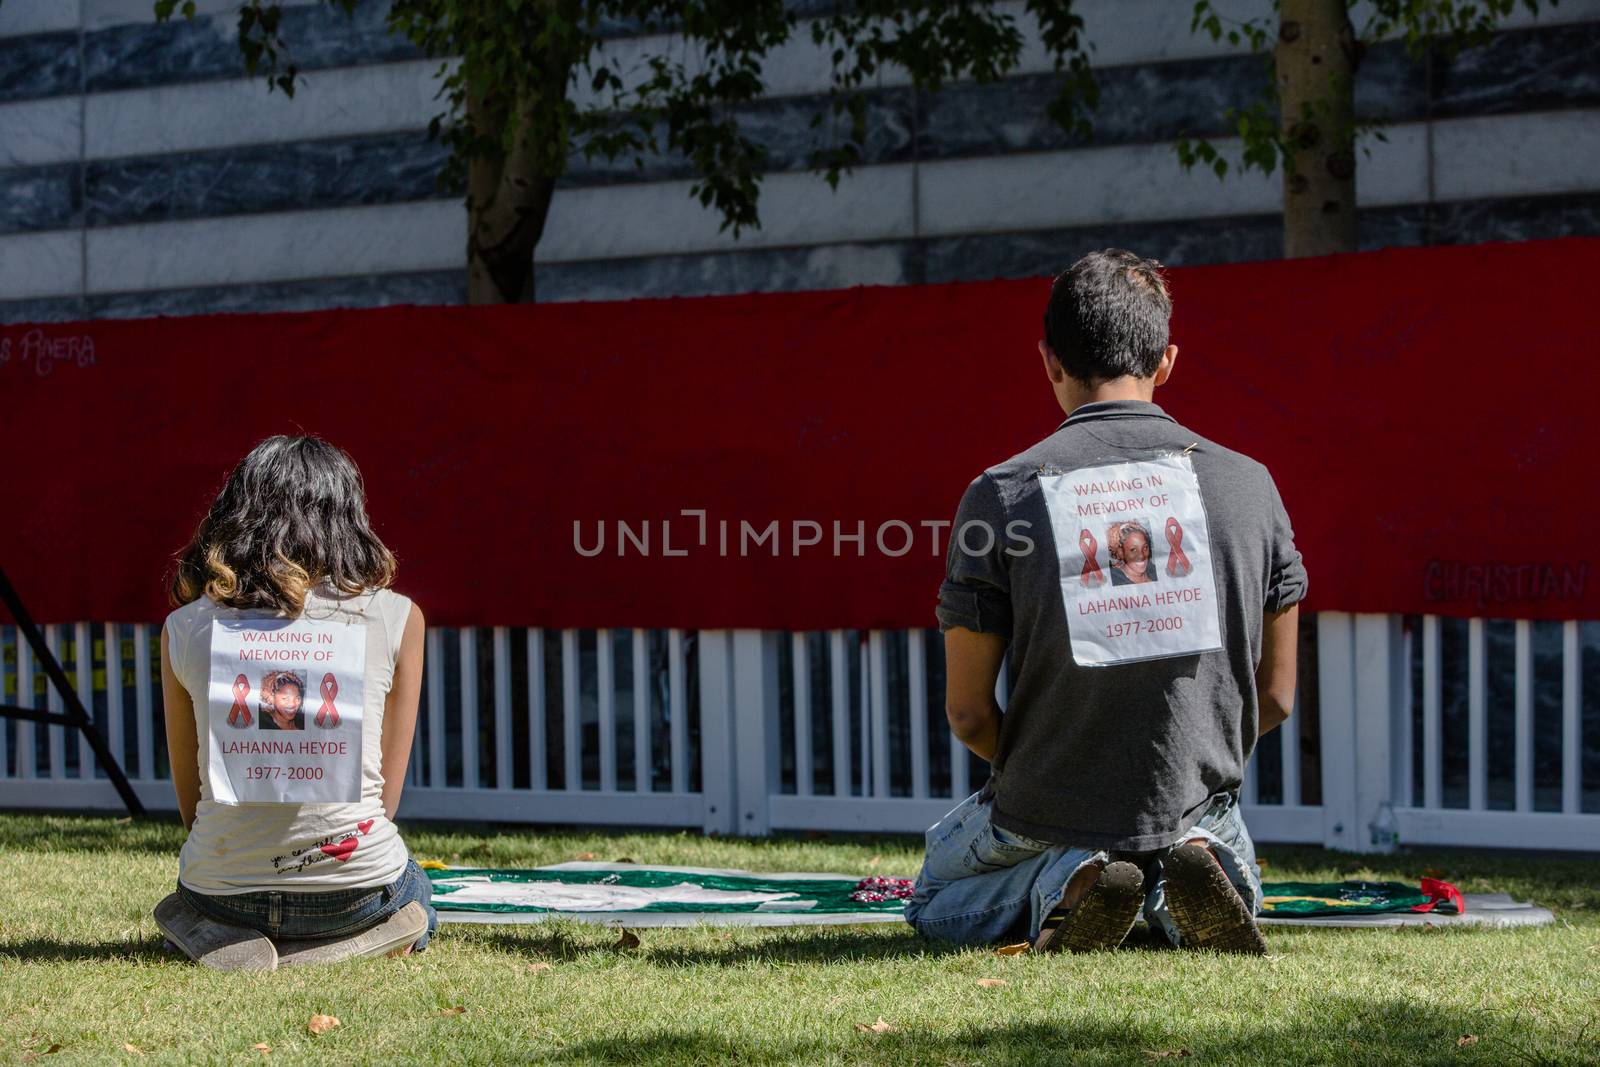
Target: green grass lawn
{"x": 83, "y": 977}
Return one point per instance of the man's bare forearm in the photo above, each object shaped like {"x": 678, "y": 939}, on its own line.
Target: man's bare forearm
{"x": 1271, "y": 715}
{"x": 980, "y": 732}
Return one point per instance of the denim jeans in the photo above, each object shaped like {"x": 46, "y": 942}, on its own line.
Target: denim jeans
{"x": 982, "y": 885}
{"x": 306, "y": 916}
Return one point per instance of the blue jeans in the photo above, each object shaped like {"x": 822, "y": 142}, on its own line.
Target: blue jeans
{"x": 306, "y": 916}
{"x": 982, "y": 885}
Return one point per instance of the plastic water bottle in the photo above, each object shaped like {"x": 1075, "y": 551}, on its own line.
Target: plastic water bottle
{"x": 1385, "y": 829}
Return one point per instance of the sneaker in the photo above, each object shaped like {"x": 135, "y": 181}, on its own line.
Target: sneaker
{"x": 1101, "y": 919}
{"x": 1207, "y": 910}
{"x": 396, "y": 934}
{"x": 213, "y": 944}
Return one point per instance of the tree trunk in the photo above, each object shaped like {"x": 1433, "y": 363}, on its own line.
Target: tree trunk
{"x": 1316, "y": 59}
{"x": 508, "y": 194}
{"x": 504, "y": 225}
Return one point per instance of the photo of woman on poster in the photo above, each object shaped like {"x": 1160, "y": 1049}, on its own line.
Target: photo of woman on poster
{"x": 283, "y": 696}
{"x": 1130, "y": 554}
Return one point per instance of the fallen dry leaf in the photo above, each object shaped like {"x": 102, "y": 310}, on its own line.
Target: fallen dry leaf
{"x": 262, "y": 1047}
{"x": 1432, "y": 872}
{"x": 1466, "y": 1039}
{"x": 29, "y": 1057}
{"x": 540, "y": 968}
{"x": 125, "y": 820}
{"x": 879, "y": 1027}
{"x": 624, "y": 859}
{"x": 321, "y": 1024}
{"x": 583, "y": 855}
{"x": 459, "y": 1009}
{"x": 628, "y": 940}
{"x": 1263, "y": 864}
{"x": 1167, "y": 1053}
{"x": 990, "y": 983}
{"x": 131, "y": 1049}
{"x": 1012, "y": 950}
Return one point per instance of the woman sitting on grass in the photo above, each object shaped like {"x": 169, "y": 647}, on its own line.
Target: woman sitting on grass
{"x": 291, "y": 674}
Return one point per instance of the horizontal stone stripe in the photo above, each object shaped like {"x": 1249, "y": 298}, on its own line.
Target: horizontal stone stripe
{"x": 102, "y": 14}
{"x": 206, "y": 48}
{"x": 19, "y": 17}
{"x": 40, "y": 198}
{"x": 45, "y": 64}
{"x": 397, "y": 167}
{"x": 1141, "y": 104}
{"x": 41, "y": 264}
{"x": 252, "y": 179}
{"x": 1043, "y": 191}
{"x": 140, "y": 52}
{"x": 125, "y": 48}
{"x": 1531, "y": 70}
{"x": 1550, "y": 152}
{"x": 946, "y": 259}
{"x": 23, "y": 17}
{"x": 333, "y": 103}
{"x": 39, "y": 132}
{"x": 286, "y": 246}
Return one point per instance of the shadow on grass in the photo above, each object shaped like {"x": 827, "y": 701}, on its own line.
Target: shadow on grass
{"x": 149, "y": 835}
{"x": 818, "y": 946}
{"x": 825, "y": 945}
{"x": 40, "y": 950}
{"x": 1331, "y": 1030}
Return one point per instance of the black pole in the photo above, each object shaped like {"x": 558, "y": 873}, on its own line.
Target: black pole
{"x": 76, "y": 714}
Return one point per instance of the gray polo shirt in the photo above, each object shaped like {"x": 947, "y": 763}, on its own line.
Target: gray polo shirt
{"x": 1129, "y": 567}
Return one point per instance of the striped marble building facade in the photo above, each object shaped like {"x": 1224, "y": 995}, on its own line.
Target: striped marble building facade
{"x": 141, "y": 173}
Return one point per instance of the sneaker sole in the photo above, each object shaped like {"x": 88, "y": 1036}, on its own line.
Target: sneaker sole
{"x": 1102, "y": 919}
{"x": 213, "y": 944}
{"x": 1206, "y": 908}
{"x": 398, "y": 931}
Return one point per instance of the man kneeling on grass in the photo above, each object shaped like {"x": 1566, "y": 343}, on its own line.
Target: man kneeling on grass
{"x": 1144, "y": 581}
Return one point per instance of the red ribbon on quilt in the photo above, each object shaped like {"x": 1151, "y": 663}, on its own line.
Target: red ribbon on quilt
{"x": 1442, "y": 896}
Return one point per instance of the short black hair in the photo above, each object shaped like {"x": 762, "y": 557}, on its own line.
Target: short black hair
{"x": 1107, "y": 316}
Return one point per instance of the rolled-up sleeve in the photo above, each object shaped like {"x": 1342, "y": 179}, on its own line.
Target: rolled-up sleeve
{"x": 1286, "y": 576}
{"x": 976, "y": 594}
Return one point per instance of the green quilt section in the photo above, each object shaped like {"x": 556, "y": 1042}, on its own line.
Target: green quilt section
{"x": 647, "y": 889}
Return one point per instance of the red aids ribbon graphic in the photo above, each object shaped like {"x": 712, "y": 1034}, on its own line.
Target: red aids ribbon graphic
{"x": 328, "y": 715}
{"x": 239, "y": 714}
{"x": 1178, "y": 564}
{"x": 1091, "y": 569}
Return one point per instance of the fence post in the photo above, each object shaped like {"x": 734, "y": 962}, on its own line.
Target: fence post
{"x": 1358, "y": 661}
{"x": 718, "y": 784}
{"x": 1336, "y": 699}
{"x": 1378, "y": 687}
{"x": 757, "y": 740}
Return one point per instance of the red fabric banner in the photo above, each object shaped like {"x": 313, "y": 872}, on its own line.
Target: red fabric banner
{"x": 1421, "y": 410}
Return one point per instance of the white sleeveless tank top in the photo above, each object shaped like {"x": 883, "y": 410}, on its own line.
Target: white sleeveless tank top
{"x": 240, "y": 844}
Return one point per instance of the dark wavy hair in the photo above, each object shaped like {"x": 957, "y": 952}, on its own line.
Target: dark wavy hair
{"x": 292, "y": 514}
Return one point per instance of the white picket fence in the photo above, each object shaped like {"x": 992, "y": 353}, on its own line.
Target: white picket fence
{"x": 749, "y": 731}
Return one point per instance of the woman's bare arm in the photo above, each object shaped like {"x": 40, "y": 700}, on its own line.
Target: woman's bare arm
{"x": 183, "y": 746}
{"x": 400, "y": 710}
